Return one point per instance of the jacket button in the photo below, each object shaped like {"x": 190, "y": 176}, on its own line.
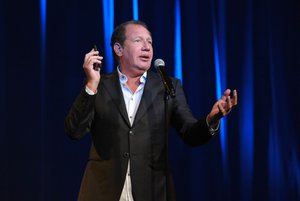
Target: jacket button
{"x": 131, "y": 133}
{"x": 126, "y": 155}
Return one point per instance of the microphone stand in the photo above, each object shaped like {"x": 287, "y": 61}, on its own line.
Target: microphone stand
{"x": 169, "y": 92}
{"x": 166, "y": 98}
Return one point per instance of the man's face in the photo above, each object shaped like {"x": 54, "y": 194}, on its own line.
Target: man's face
{"x": 137, "y": 50}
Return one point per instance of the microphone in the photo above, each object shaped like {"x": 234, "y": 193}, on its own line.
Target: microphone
{"x": 159, "y": 64}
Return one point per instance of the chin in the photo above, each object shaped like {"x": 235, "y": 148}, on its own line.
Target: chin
{"x": 144, "y": 67}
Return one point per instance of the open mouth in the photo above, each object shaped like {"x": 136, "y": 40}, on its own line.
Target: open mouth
{"x": 145, "y": 58}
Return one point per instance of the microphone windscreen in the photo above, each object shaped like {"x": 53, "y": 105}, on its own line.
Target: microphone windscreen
{"x": 159, "y": 62}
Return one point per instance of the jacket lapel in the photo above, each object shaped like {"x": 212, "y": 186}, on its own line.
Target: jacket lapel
{"x": 112, "y": 85}
{"x": 152, "y": 88}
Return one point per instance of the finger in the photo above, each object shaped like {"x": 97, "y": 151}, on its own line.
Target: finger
{"x": 88, "y": 63}
{"x": 91, "y": 53}
{"x": 92, "y": 59}
{"x": 87, "y": 57}
{"x": 97, "y": 59}
{"x": 225, "y": 94}
{"x": 229, "y": 104}
{"x": 97, "y": 64}
{"x": 235, "y": 98}
{"x": 221, "y": 110}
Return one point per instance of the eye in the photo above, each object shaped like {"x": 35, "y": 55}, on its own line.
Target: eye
{"x": 137, "y": 40}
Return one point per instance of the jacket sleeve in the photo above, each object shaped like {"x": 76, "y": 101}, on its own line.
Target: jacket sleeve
{"x": 80, "y": 117}
{"x": 193, "y": 131}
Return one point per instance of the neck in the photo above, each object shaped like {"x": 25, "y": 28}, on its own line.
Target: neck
{"x": 133, "y": 83}
{"x": 133, "y": 79}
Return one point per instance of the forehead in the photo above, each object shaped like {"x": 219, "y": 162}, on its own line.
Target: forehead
{"x": 133, "y": 30}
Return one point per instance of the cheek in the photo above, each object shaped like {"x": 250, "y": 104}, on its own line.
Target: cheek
{"x": 151, "y": 54}
{"x": 130, "y": 56}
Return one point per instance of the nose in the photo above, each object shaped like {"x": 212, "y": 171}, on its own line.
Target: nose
{"x": 146, "y": 46}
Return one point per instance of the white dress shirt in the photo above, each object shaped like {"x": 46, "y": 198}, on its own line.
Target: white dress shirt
{"x": 132, "y": 101}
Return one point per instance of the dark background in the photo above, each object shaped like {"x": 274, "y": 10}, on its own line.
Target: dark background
{"x": 254, "y": 43}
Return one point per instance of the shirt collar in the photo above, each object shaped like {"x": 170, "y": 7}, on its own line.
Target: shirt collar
{"x": 123, "y": 78}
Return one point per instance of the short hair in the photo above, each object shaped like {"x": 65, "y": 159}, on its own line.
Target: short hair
{"x": 118, "y": 36}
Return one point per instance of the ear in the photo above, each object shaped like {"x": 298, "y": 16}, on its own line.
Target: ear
{"x": 118, "y": 49}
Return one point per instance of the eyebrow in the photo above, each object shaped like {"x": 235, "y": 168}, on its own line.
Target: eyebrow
{"x": 140, "y": 37}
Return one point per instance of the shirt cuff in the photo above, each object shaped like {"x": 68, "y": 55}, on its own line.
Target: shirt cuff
{"x": 89, "y": 92}
{"x": 212, "y": 129}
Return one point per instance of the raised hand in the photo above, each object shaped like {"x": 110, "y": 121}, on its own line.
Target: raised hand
{"x": 222, "y": 107}
{"x": 92, "y": 75}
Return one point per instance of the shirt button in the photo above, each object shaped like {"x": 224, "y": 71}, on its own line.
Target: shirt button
{"x": 131, "y": 133}
{"x": 126, "y": 155}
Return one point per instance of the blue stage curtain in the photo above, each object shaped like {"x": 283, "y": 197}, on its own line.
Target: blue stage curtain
{"x": 249, "y": 45}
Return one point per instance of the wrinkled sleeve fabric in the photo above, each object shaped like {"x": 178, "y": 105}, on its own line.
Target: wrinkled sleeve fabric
{"x": 80, "y": 117}
{"x": 194, "y": 132}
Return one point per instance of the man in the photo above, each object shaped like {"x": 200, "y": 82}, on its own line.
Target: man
{"x": 124, "y": 112}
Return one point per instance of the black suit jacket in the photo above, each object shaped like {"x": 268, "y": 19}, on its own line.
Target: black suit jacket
{"x": 115, "y": 141}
